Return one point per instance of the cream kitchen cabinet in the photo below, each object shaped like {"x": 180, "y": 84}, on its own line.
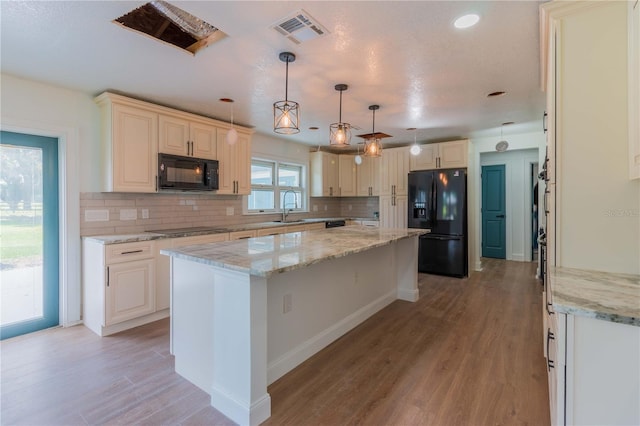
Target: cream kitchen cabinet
{"x": 368, "y": 177}
{"x": 314, "y": 226}
{"x": 445, "y": 155}
{"x": 394, "y": 171}
{"x": 347, "y": 176}
{"x": 180, "y": 136}
{"x": 393, "y": 211}
{"x": 634, "y": 88}
{"x": 119, "y": 286}
{"x": 234, "y": 164}
{"x": 129, "y": 145}
{"x": 324, "y": 174}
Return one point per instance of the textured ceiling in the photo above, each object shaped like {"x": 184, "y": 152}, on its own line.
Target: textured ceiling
{"x": 405, "y": 56}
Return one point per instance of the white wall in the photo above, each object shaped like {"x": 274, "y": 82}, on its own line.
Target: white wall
{"x": 483, "y": 145}
{"x": 72, "y": 117}
{"x": 517, "y": 200}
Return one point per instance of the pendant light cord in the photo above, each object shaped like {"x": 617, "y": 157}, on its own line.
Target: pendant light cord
{"x": 286, "y": 82}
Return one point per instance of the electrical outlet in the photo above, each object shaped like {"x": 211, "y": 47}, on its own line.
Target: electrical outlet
{"x": 145, "y": 213}
{"x": 230, "y": 211}
{"x": 350, "y": 207}
{"x": 287, "y": 303}
{"x": 315, "y": 207}
{"x": 325, "y": 207}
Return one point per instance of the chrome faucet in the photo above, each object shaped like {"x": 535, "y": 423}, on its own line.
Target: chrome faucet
{"x": 284, "y": 204}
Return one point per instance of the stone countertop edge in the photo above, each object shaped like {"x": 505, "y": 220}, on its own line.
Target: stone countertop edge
{"x": 149, "y": 236}
{"x": 607, "y": 296}
{"x": 186, "y": 252}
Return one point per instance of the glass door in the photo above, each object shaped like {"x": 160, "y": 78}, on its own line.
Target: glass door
{"x": 28, "y": 233}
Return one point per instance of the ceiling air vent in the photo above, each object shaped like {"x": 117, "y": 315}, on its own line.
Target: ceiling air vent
{"x": 299, "y": 27}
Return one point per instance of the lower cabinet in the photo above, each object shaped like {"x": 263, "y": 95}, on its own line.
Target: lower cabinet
{"x": 119, "y": 283}
{"x": 593, "y": 370}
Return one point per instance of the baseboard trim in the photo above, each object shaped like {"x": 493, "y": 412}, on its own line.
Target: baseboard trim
{"x": 306, "y": 349}
{"x": 254, "y": 414}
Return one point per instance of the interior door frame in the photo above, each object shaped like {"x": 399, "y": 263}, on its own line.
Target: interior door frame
{"x": 70, "y": 308}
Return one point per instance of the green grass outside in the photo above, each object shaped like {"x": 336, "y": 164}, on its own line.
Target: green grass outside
{"x": 20, "y": 232}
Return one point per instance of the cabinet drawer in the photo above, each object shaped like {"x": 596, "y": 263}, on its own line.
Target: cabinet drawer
{"x": 271, "y": 231}
{"x": 241, "y": 235}
{"x": 116, "y": 253}
{"x": 371, "y": 223}
{"x": 314, "y": 226}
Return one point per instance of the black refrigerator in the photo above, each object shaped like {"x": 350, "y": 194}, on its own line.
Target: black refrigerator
{"x": 438, "y": 201}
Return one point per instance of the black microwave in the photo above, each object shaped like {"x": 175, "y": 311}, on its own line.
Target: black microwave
{"x": 187, "y": 173}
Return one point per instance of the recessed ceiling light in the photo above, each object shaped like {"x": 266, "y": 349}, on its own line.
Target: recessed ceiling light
{"x": 506, "y": 123}
{"x": 492, "y": 94}
{"x": 313, "y": 128}
{"x": 466, "y": 21}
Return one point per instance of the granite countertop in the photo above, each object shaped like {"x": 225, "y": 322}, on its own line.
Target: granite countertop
{"x": 204, "y": 230}
{"x": 264, "y": 256}
{"x": 608, "y": 296}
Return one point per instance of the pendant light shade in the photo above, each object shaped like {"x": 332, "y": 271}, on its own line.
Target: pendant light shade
{"x": 286, "y": 114}
{"x": 373, "y": 145}
{"x": 502, "y": 144}
{"x": 340, "y": 133}
{"x": 415, "y": 148}
{"x": 232, "y": 134}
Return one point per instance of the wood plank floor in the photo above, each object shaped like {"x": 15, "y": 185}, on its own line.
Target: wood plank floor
{"x": 469, "y": 352}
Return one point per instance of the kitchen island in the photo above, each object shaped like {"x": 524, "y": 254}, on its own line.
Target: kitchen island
{"x": 246, "y": 312}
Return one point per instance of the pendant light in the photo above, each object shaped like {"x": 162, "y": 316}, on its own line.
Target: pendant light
{"x": 373, "y": 144}
{"x": 502, "y": 145}
{"x": 415, "y": 148}
{"x": 358, "y": 158}
{"x": 340, "y": 133}
{"x": 286, "y": 113}
{"x": 232, "y": 134}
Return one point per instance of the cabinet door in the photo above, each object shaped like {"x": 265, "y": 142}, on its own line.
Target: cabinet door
{"x": 363, "y": 177}
{"x": 330, "y": 173}
{"x": 243, "y": 164}
{"x": 347, "y": 176}
{"x": 427, "y": 159}
{"x": 134, "y": 151}
{"x": 204, "y": 140}
{"x": 173, "y": 136}
{"x": 374, "y": 175}
{"x": 453, "y": 154}
{"x": 226, "y": 158}
{"x": 386, "y": 212}
{"x": 163, "y": 274}
{"x": 130, "y": 290}
{"x": 387, "y": 172}
{"x": 234, "y": 164}
{"x": 401, "y": 177}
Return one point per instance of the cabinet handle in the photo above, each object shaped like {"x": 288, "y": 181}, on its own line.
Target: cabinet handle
{"x": 550, "y": 362}
{"x": 544, "y": 121}
{"x": 330, "y": 191}
{"x": 131, "y": 252}
{"x": 107, "y": 276}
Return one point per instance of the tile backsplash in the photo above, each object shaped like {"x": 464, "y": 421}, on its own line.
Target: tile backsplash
{"x": 103, "y": 213}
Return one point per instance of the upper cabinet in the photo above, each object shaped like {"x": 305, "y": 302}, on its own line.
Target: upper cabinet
{"x": 324, "y": 174}
{"x": 445, "y": 155}
{"x": 347, "y": 176}
{"x": 368, "y": 177}
{"x": 394, "y": 171}
{"x": 129, "y": 146}
{"x": 134, "y": 131}
{"x": 180, "y": 136}
{"x": 234, "y": 165}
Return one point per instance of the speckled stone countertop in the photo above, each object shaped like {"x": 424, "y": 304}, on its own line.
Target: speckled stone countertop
{"x": 205, "y": 230}
{"x": 264, "y": 256}
{"x": 602, "y": 295}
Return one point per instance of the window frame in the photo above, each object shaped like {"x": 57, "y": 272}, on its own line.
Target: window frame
{"x": 277, "y": 189}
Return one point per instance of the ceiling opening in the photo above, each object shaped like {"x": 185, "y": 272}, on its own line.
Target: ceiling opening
{"x": 170, "y": 24}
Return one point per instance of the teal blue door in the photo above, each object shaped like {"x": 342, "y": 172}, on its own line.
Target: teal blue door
{"x": 28, "y": 233}
{"x": 493, "y": 212}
